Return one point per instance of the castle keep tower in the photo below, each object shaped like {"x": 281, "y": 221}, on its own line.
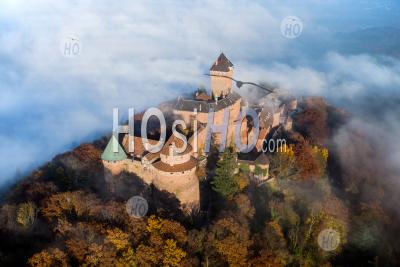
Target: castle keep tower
{"x": 221, "y": 86}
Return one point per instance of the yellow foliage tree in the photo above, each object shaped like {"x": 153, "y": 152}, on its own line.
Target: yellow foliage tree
{"x": 172, "y": 254}
{"x": 174, "y": 229}
{"x": 49, "y": 258}
{"x": 147, "y": 255}
{"x": 321, "y": 155}
{"x": 323, "y": 152}
{"x": 118, "y": 238}
{"x": 283, "y": 163}
{"x": 153, "y": 224}
{"x": 287, "y": 150}
{"x": 26, "y": 214}
{"x": 231, "y": 241}
{"x": 127, "y": 258}
{"x": 242, "y": 180}
{"x": 95, "y": 255}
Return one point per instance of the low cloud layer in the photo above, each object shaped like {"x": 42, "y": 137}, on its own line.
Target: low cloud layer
{"x": 136, "y": 54}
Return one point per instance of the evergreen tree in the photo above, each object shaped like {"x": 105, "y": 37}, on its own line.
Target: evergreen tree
{"x": 224, "y": 181}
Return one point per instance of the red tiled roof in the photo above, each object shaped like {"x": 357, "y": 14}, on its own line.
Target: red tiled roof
{"x": 202, "y": 96}
{"x": 178, "y": 143}
{"x": 139, "y": 149}
{"x": 177, "y": 167}
{"x": 203, "y": 106}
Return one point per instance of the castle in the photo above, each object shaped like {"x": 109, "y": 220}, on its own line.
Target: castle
{"x": 176, "y": 172}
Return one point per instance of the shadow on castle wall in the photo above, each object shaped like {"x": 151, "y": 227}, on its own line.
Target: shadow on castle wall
{"x": 160, "y": 202}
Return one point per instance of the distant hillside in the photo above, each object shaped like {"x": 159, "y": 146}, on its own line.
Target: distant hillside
{"x": 374, "y": 41}
{"x": 379, "y": 40}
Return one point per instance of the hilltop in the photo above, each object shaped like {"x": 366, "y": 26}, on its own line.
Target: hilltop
{"x": 63, "y": 214}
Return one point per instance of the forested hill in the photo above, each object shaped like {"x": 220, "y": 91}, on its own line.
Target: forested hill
{"x": 63, "y": 214}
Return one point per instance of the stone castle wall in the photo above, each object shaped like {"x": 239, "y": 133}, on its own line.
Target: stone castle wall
{"x": 184, "y": 185}
{"x": 234, "y": 113}
{"x": 176, "y": 159}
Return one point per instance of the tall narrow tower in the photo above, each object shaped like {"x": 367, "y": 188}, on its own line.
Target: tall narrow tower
{"x": 221, "y": 86}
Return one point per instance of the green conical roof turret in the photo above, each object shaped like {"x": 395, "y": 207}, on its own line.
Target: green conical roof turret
{"x": 110, "y": 155}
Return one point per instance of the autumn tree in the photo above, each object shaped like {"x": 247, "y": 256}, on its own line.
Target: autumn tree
{"x": 231, "y": 240}
{"x": 320, "y": 155}
{"x": 99, "y": 254}
{"x": 244, "y": 206}
{"x": 76, "y": 203}
{"x": 120, "y": 240}
{"x": 266, "y": 258}
{"x": 39, "y": 190}
{"x": 26, "y": 214}
{"x": 201, "y": 244}
{"x": 276, "y": 242}
{"x": 282, "y": 163}
{"x": 172, "y": 254}
{"x": 49, "y": 258}
{"x": 87, "y": 244}
{"x": 306, "y": 162}
{"x": 312, "y": 122}
{"x": 163, "y": 245}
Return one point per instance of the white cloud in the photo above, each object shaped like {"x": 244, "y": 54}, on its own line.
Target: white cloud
{"x": 137, "y": 53}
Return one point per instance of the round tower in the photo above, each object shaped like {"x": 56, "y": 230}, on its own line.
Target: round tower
{"x": 114, "y": 160}
{"x": 176, "y": 173}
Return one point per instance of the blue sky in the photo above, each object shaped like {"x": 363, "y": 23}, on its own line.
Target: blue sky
{"x": 138, "y": 53}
